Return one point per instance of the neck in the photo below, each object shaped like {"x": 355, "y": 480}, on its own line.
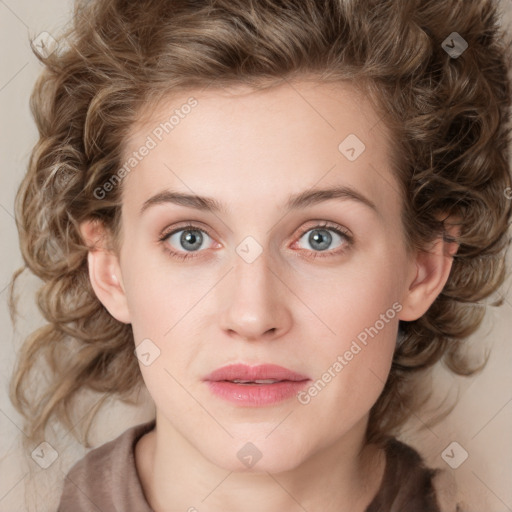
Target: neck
{"x": 344, "y": 476}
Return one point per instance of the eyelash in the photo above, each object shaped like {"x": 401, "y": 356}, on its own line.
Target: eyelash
{"x": 315, "y": 254}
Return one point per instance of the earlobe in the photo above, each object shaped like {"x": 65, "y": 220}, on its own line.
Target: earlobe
{"x": 433, "y": 267}
{"x": 104, "y": 270}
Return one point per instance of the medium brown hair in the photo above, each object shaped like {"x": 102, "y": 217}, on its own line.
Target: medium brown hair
{"x": 449, "y": 116}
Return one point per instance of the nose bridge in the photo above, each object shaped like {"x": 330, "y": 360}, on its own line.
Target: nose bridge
{"x": 252, "y": 271}
{"x": 254, "y": 303}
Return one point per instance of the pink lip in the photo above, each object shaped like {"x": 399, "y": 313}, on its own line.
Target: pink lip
{"x": 255, "y": 395}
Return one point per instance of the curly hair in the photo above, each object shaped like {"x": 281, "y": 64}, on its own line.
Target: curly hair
{"x": 449, "y": 116}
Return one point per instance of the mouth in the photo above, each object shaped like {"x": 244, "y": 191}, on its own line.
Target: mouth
{"x": 248, "y": 382}
{"x": 260, "y": 374}
{"x": 255, "y": 386}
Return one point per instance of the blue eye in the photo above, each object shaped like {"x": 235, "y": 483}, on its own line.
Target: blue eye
{"x": 321, "y": 237}
{"x": 188, "y": 238}
{"x": 187, "y": 241}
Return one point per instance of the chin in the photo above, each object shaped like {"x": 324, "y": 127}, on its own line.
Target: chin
{"x": 258, "y": 455}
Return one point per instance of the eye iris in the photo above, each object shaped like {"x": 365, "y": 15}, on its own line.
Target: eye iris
{"x": 190, "y": 236}
{"x": 322, "y": 237}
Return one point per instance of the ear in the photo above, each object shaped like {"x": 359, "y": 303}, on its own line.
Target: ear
{"x": 430, "y": 270}
{"x": 104, "y": 270}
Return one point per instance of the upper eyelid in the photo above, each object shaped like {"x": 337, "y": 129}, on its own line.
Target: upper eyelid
{"x": 189, "y": 225}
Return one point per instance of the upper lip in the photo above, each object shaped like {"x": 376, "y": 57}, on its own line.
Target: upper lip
{"x": 252, "y": 373}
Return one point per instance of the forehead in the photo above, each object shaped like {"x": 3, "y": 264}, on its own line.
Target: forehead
{"x": 243, "y": 145}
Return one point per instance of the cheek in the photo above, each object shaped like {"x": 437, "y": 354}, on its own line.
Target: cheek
{"x": 158, "y": 294}
{"x": 355, "y": 342}
{"x": 350, "y": 369}
{"x": 166, "y": 313}
{"x": 352, "y": 299}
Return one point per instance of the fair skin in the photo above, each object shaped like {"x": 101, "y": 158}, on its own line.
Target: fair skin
{"x": 251, "y": 151}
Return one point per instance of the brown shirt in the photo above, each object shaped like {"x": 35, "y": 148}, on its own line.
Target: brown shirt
{"x": 106, "y": 480}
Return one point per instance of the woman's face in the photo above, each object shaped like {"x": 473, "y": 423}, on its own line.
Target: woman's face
{"x": 296, "y": 259}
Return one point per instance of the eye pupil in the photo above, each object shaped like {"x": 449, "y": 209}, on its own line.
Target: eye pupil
{"x": 189, "y": 237}
{"x": 322, "y": 237}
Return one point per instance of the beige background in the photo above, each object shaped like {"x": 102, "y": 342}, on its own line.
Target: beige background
{"x": 481, "y": 422}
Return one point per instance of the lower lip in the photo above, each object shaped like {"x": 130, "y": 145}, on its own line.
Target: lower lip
{"x": 256, "y": 395}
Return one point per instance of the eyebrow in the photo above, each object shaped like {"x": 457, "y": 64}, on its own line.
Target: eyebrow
{"x": 294, "y": 202}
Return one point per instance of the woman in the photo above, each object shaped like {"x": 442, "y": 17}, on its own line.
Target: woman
{"x": 276, "y": 216}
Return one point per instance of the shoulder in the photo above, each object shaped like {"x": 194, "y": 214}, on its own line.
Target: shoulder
{"x": 106, "y": 478}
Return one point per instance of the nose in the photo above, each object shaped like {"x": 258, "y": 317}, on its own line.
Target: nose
{"x": 255, "y": 303}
